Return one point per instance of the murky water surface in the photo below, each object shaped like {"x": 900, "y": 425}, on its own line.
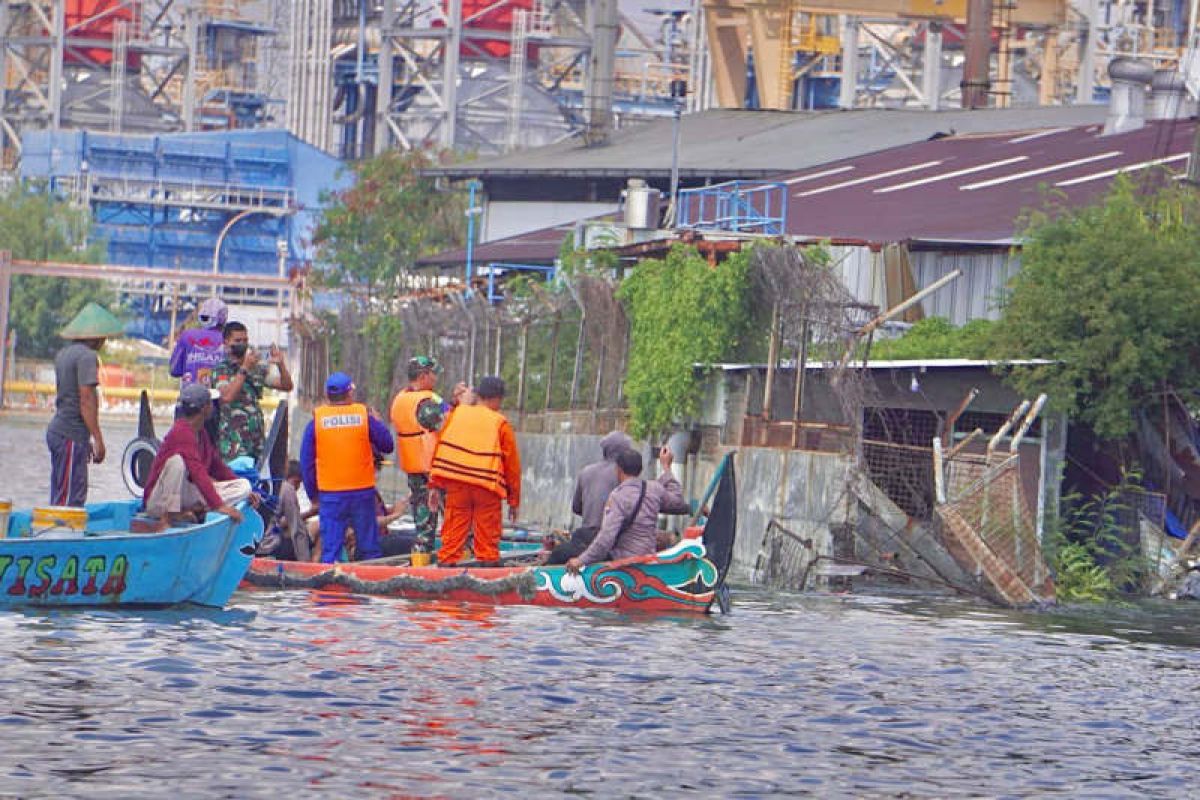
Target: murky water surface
{"x": 299, "y": 694}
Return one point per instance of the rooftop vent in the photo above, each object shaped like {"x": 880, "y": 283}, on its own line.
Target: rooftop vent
{"x": 1126, "y": 108}
{"x": 1169, "y": 98}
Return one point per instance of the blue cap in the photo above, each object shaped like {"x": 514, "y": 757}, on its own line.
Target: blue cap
{"x": 338, "y": 383}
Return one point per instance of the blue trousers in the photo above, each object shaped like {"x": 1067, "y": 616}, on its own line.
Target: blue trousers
{"x": 68, "y": 470}
{"x": 355, "y": 509}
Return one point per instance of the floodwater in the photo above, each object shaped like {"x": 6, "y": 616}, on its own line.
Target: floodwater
{"x": 299, "y": 694}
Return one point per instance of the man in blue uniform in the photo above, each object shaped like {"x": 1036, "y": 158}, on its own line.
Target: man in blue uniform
{"x": 337, "y": 459}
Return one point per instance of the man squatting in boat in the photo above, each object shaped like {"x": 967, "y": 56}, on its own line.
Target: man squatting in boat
{"x": 187, "y": 477}
{"x": 593, "y": 485}
{"x": 630, "y": 523}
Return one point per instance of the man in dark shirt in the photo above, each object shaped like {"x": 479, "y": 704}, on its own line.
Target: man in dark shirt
{"x": 188, "y": 476}
{"x": 630, "y": 526}
{"x": 592, "y": 488}
{"x": 74, "y": 436}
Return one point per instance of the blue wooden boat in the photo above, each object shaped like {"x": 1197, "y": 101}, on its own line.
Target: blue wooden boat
{"x": 107, "y": 565}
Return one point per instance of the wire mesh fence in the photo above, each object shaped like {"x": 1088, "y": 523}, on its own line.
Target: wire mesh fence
{"x": 988, "y": 517}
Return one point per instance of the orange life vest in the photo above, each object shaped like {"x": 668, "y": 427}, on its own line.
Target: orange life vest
{"x": 415, "y": 444}
{"x": 468, "y": 449}
{"x": 345, "y": 461}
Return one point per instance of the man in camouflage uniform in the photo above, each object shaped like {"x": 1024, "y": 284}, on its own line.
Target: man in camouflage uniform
{"x": 417, "y": 413}
{"x": 241, "y": 378}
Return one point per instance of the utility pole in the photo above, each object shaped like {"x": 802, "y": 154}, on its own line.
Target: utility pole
{"x": 977, "y": 55}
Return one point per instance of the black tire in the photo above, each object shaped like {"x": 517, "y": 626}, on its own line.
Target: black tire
{"x": 135, "y": 463}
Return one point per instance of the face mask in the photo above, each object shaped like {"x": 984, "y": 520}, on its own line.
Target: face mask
{"x": 238, "y": 350}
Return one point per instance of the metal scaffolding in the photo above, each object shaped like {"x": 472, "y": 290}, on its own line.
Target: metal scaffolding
{"x": 126, "y": 65}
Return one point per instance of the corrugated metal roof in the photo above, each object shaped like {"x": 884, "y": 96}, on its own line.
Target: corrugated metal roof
{"x": 971, "y": 189}
{"x": 739, "y": 143}
{"x": 538, "y": 247}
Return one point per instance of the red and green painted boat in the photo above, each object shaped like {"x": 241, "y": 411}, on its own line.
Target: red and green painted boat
{"x": 688, "y": 577}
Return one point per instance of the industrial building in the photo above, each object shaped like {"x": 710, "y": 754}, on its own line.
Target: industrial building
{"x": 221, "y": 202}
{"x": 355, "y": 77}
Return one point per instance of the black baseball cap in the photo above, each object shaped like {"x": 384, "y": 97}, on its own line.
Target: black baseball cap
{"x": 490, "y": 387}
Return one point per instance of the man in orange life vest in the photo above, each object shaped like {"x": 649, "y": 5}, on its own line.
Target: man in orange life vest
{"x": 477, "y": 464}
{"x": 416, "y": 442}
{"x": 337, "y": 461}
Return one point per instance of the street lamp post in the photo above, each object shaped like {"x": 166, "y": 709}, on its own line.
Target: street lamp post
{"x": 281, "y": 249}
{"x": 678, "y": 96}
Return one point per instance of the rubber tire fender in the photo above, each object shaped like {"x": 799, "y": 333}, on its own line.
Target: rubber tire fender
{"x": 135, "y": 463}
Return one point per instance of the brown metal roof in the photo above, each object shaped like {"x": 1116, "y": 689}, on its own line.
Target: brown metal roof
{"x": 972, "y": 189}
{"x": 539, "y": 247}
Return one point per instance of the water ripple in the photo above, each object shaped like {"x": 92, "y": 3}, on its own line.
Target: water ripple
{"x": 826, "y": 696}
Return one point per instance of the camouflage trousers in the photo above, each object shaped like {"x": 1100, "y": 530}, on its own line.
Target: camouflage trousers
{"x": 425, "y": 519}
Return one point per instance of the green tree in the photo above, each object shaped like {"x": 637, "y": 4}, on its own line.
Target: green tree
{"x": 39, "y": 227}
{"x": 682, "y": 312}
{"x": 1108, "y": 293}
{"x": 369, "y": 238}
{"x": 937, "y": 337}
{"x": 370, "y": 235}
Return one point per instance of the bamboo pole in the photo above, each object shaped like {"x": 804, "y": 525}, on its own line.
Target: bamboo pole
{"x": 798, "y": 395}
{"x": 553, "y": 361}
{"x": 772, "y": 358}
{"x": 599, "y": 375}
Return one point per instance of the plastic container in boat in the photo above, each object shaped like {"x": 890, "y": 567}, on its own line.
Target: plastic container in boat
{"x": 58, "y": 520}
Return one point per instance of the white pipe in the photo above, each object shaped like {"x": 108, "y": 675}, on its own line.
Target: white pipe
{"x": 1005, "y": 428}
{"x": 1029, "y": 418}
{"x": 939, "y": 479}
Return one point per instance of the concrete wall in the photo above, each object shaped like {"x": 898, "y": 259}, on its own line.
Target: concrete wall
{"x": 805, "y": 492}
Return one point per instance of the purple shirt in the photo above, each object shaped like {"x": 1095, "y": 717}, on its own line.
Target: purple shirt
{"x": 196, "y": 353}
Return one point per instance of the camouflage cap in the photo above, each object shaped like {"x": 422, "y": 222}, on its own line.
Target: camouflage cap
{"x": 431, "y": 414}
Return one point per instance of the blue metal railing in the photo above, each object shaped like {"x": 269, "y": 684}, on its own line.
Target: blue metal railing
{"x": 737, "y": 206}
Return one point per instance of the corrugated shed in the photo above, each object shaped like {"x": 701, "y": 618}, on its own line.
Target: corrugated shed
{"x": 973, "y": 296}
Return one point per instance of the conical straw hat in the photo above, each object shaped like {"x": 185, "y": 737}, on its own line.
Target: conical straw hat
{"x": 93, "y": 322}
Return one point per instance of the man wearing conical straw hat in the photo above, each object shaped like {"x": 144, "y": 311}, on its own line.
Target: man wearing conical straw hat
{"x": 73, "y": 436}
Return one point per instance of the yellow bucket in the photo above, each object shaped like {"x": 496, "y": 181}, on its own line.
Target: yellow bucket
{"x": 59, "y": 518}
{"x": 420, "y": 559}
{"x": 5, "y": 513}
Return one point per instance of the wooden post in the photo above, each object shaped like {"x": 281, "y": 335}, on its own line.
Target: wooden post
{"x": 948, "y": 433}
{"x": 174, "y": 312}
{"x": 798, "y": 395}
{"x": 769, "y": 383}
{"x": 579, "y": 345}
{"x": 599, "y": 375}
{"x": 5, "y": 298}
{"x": 621, "y": 366}
{"x": 772, "y": 358}
{"x": 524, "y": 360}
{"x": 499, "y": 345}
{"x": 553, "y": 360}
